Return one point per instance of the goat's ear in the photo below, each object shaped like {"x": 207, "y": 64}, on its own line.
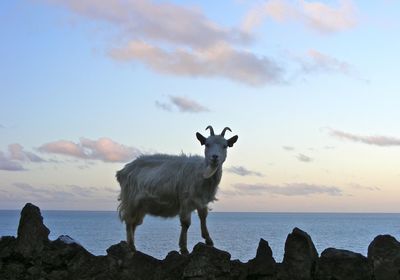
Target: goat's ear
{"x": 232, "y": 140}
{"x": 201, "y": 138}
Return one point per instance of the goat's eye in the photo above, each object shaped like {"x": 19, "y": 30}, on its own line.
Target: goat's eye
{"x": 225, "y": 146}
{"x": 207, "y": 145}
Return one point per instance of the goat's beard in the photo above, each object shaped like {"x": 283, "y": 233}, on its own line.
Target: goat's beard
{"x": 209, "y": 171}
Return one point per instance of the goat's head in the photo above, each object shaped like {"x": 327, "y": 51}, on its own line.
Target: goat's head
{"x": 215, "y": 149}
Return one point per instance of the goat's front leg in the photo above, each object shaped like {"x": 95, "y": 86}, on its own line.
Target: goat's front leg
{"x": 203, "y": 212}
{"x": 185, "y": 218}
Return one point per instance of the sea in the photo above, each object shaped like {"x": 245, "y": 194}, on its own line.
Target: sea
{"x": 237, "y": 233}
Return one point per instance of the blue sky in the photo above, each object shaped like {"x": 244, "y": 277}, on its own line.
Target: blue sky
{"x": 310, "y": 87}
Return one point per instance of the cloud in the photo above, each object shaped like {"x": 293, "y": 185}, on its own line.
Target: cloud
{"x": 288, "y": 148}
{"x": 370, "y": 140}
{"x": 190, "y": 45}
{"x": 156, "y": 21}
{"x": 316, "y": 62}
{"x": 59, "y": 196}
{"x": 43, "y": 193}
{"x": 17, "y": 152}
{"x": 103, "y": 149}
{"x": 187, "y": 105}
{"x": 329, "y": 147}
{"x": 63, "y": 193}
{"x": 221, "y": 60}
{"x": 317, "y": 16}
{"x": 183, "y": 104}
{"x": 364, "y": 188}
{"x": 163, "y": 106}
{"x": 10, "y": 161}
{"x": 242, "y": 171}
{"x": 304, "y": 158}
{"x": 9, "y": 165}
{"x": 292, "y": 189}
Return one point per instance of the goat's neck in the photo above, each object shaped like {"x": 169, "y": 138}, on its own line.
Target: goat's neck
{"x": 218, "y": 174}
{"x": 216, "y": 177}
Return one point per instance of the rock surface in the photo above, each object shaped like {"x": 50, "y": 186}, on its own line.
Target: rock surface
{"x": 263, "y": 266}
{"x": 33, "y": 256}
{"x": 300, "y": 256}
{"x": 342, "y": 265}
{"x": 32, "y": 233}
{"x": 384, "y": 254}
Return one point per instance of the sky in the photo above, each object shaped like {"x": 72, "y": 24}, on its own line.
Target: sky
{"x": 310, "y": 87}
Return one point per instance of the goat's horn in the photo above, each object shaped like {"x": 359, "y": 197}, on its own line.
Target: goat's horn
{"x": 211, "y": 130}
{"x": 225, "y": 129}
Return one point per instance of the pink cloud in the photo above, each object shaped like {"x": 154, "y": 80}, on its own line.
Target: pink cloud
{"x": 219, "y": 60}
{"x": 63, "y": 147}
{"x": 376, "y": 140}
{"x": 177, "y": 39}
{"x": 317, "y": 16}
{"x": 104, "y": 149}
{"x": 17, "y": 152}
{"x": 9, "y": 165}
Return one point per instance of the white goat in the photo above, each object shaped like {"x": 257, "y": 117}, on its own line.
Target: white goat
{"x": 169, "y": 185}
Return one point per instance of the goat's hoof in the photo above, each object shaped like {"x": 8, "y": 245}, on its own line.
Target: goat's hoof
{"x": 132, "y": 248}
{"x": 184, "y": 251}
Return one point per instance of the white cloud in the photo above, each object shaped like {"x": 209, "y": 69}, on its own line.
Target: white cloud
{"x": 103, "y": 149}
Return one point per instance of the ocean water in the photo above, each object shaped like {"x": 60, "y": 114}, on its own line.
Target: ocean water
{"x": 238, "y": 233}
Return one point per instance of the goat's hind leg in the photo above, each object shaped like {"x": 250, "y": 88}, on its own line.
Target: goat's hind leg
{"x": 185, "y": 219}
{"x": 130, "y": 230}
{"x": 203, "y": 212}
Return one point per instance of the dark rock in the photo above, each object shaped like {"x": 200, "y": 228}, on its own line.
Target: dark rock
{"x": 32, "y": 233}
{"x": 126, "y": 262}
{"x": 384, "y": 255}
{"x": 300, "y": 257}
{"x": 206, "y": 262}
{"x": 32, "y": 256}
{"x": 120, "y": 251}
{"x": 172, "y": 266}
{"x": 239, "y": 270}
{"x": 7, "y": 244}
{"x": 263, "y": 266}
{"x": 342, "y": 265}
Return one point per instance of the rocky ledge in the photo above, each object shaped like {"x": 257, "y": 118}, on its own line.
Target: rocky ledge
{"x": 31, "y": 255}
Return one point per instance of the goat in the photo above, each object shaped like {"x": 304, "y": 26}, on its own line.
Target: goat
{"x": 170, "y": 185}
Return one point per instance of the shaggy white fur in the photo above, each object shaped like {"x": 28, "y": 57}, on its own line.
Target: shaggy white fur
{"x": 168, "y": 185}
